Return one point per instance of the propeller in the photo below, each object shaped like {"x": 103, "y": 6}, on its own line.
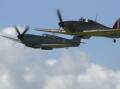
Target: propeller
{"x": 61, "y": 23}
{"x": 21, "y": 36}
{"x": 59, "y": 15}
{"x": 18, "y": 32}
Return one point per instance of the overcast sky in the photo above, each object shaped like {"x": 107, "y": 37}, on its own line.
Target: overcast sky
{"x": 89, "y": 66}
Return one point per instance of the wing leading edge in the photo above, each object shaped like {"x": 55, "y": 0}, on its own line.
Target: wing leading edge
{"x": 96, "y": 32}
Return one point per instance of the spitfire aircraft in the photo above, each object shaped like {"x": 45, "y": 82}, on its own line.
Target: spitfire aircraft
{"x": 45, "y": 41}
{"x": 86, "y": 28}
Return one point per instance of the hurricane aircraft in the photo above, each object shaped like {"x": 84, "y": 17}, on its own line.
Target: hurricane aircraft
{"x": 85, "y": 28}
{"x": 44, "y": 41}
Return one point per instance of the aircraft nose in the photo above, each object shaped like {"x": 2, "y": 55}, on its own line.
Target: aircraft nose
{"x": 61, "y": 24}
{"x": 20, "y": 37}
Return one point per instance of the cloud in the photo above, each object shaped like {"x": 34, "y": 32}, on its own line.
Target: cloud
{"x": 26, "y": 68}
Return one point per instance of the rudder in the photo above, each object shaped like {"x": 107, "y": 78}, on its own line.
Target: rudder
{"x": 117, "y": 24}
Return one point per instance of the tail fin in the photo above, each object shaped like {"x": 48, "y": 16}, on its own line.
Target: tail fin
{"x": 117, "y": 24}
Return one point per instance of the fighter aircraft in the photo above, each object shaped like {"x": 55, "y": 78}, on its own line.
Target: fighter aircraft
{"x": 86, "y": 28}
{"x": 45, "y": 41}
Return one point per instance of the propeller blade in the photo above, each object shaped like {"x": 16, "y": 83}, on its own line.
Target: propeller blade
{"x": 17, "y": 30}
{"x": 59, "y": 15}
{"x": 26, "y": 29}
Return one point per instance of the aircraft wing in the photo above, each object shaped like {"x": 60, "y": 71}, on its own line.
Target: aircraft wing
{"x": 11, "y": 38}
{"x": 86, "y": 33}
{"x": 61, "y": 31}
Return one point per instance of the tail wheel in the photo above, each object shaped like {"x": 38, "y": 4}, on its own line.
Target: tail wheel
{"x": 114, "y": 40}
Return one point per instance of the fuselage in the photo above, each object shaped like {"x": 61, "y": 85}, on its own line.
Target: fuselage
{"x": 47, "y": 41}
{"x": 87, "y": 28}
{"x": 79, "y": 26}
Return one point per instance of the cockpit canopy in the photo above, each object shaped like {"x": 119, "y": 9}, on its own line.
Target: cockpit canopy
{"x": 82, "y": 19}
{"x": 45, "y": 35}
